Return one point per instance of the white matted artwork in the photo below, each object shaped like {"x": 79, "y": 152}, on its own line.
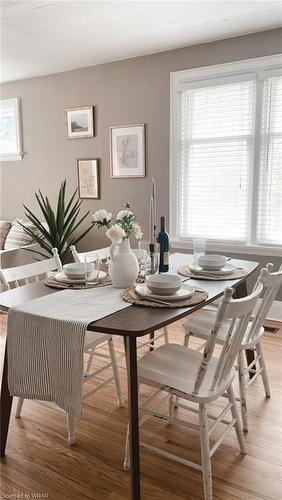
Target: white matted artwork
{"x": 88, "y": 178}
{"x": 80, "y": 122}
{"x": 127, "y": 146}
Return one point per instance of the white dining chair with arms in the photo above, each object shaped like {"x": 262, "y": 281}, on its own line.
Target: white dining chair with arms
{"x": 22, "y": 275}
{"x": 198, "y": 378}
{"x": 199, "y": 326}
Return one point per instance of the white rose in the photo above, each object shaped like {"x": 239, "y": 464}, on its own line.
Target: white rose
{"x": 115, "y": 233}
{"x": 101, "y": 215}
{"x": 123, "y": 213}
{"x": 136, "y": 229}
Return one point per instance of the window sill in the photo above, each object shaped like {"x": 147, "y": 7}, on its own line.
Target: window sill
{"x": 12, "y": 157}
{"x": 237, "y": 249}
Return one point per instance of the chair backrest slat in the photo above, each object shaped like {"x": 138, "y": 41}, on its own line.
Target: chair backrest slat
{"x": 209, "y": 347}
{"x": 15, "y": 276}
{"x": 230, "y": 345}
{"x": 223, "y": 353}
{"x": 234, "y": 345}
{"x": 238, "y": 312}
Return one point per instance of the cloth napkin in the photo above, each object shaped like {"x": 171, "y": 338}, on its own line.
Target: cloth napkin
{"x": 45, "y": 342}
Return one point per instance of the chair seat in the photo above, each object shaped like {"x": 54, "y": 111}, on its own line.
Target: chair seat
{"x": 93, "y": 339}
{"x": 177, "y": 367}
{"x": 202, "y": 324}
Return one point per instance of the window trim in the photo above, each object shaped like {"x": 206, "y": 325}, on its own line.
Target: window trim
{"x": 181, "y": 244}
{"x": 17, "y": 155}
{"x": 185, "y": 79}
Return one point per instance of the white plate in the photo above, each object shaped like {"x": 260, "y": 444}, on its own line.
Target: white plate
{"x": 185, "y": 292}
{"x": 62, "y": 278}
{"x": 227, "y": 269}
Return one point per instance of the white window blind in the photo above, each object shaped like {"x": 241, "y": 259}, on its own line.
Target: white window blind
{"x": 215, "y": 161}
{"x": 10, "y": 130}
{"x": 269, "y": 228}
{"x": 226, "y": 155}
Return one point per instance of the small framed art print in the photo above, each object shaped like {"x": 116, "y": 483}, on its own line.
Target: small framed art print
{"x": 127, "y": 150}
{"x": 80, "y": 122}
{"x": 88, "y": 178}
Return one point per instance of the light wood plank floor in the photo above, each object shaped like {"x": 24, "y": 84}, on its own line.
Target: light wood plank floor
{"x": 39, "y": 460}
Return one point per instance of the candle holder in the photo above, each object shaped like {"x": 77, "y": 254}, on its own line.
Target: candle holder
{"x": 153, "y": 259}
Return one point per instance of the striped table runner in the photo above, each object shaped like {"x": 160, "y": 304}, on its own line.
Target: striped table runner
{"x": 45, "y": 343}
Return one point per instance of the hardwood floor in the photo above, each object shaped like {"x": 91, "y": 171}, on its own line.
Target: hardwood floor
{"x": 39, "y": 461}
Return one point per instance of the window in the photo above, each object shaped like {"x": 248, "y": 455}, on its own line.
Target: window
{"x": 226, "y": 154}
{"x": 269, "y": 226}
{"x": 10, "y": 131}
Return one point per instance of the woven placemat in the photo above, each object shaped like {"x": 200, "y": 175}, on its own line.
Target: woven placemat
{"x": 196, "y": 298}
{"x": 237, "y": 273}
{"x": 53, "y": 283}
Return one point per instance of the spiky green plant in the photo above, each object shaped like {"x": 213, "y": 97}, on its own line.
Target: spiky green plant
{"x": 61, "y": 223}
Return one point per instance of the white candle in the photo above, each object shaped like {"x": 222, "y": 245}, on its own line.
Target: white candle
{"x": 151, "y": 220}
{"x": 154, "y": 208}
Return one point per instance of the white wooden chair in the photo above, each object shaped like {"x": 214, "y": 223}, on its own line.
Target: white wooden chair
{"x": 198, "y": 378}
{"x": 104, "y": 254}
{"x": 199, "y": 326}
{"x": 14, "y": 277}
{"x": 21, "y": 275}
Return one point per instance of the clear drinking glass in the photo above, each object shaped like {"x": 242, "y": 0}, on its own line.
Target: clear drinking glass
{"x": 143, "y": 254}
{"x": 91, "y": 269}
{"x": 199, "y": 248}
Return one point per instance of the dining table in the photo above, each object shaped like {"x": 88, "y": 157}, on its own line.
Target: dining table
{"x": 130, "y": 323}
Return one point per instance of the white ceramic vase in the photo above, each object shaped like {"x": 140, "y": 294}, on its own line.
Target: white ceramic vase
{"x": 123, "y": 267}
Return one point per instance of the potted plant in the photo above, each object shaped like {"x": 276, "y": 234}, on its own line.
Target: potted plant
{"x": 59, "y": 226}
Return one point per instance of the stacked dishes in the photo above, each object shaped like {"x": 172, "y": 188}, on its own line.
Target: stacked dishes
{"x": 164, "y": 286}
{"x": 75, "y": 273}
{"x": 212, "y": 265}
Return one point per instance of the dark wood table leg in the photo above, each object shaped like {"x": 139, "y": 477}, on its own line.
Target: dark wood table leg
{"x": 241, "y": 291}
{"x": 152, "y": 336}
{"x": 5, "y": 406}
{"x": 131, "y": 356}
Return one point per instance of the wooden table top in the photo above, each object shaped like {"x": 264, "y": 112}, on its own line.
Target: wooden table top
{"x": 135, "y": 320}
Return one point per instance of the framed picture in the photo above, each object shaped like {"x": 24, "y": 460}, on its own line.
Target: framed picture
{"x": 127, "y": 150}
{"x": 88, "y": 179}
{"x": 80, "y": 122}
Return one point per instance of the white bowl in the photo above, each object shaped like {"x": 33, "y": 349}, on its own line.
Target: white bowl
{"x": 212, "y": 262}
{"x": 76, "y": 270}
{"x": 163, "y": 284}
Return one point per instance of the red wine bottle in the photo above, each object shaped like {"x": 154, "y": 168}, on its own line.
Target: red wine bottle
{"x": 163, "y": 241}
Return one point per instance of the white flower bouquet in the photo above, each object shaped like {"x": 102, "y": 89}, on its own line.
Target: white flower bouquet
{"x": 119, "y": 228}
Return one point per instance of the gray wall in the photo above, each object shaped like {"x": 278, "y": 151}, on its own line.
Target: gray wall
{"x": 130, "y": 91}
